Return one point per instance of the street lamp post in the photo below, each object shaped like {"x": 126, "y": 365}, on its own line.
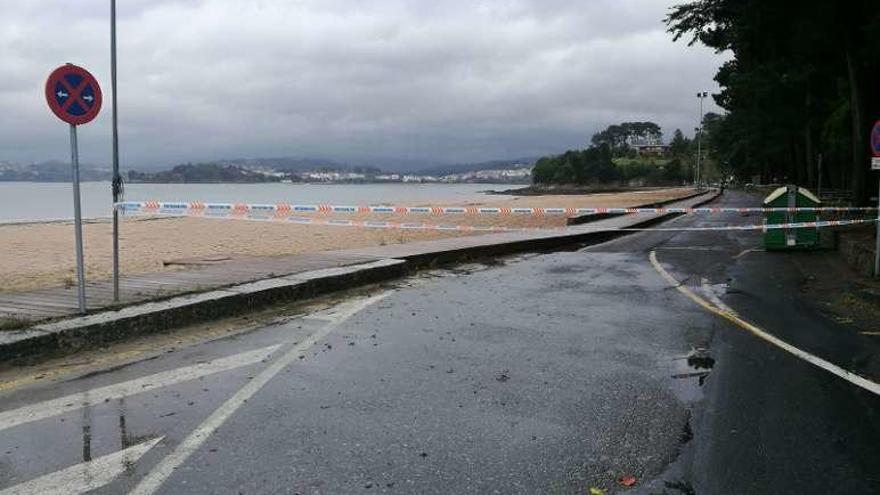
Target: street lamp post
{"x": 699, "y": 152}
{"x": 117, "y": 180}
{"x": 701, "y": 95}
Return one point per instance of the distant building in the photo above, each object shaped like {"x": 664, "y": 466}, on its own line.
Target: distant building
{"x": 649, "y": 146}
{"x": 388, "y": 177}
{"x": 520, "y": 174}
{"x": 506, "y": 175}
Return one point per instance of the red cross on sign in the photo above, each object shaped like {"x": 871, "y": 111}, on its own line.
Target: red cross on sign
{"x": 73, "y": 94}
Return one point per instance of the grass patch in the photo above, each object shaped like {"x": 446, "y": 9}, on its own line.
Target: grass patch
{"x": 12, "y": 324}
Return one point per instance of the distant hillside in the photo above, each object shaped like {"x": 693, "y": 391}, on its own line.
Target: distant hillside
{"x": 285, "y": 164}
{"x": 441, "y": 170}
{"x": 297, "y": 165}
{"x": 201, "y": 173}
{"x": 254, "y": 170}
{"x": 51, "y": 171}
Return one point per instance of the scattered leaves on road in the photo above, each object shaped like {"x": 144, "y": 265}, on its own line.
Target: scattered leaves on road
{"x": 627, "y": 480}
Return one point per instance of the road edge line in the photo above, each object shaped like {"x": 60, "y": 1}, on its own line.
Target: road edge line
{"x": 160, "y": 473}
{"x": 828, "y": 366}
{"x": 39, "y": 411}
{"x": 84, "y": 477}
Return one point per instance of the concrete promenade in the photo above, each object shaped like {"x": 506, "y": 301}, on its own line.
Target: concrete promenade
{"x": 203, "y": 275}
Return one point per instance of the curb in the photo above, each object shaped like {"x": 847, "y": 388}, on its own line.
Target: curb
{"x": 66, "y": 336}
{"x": 543, "y": 243}
{"x": 593, "y": 217}
{"x": 69, "y": 335}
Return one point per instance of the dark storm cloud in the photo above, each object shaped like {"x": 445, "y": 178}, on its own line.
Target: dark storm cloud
{"x": 424, "y": 80}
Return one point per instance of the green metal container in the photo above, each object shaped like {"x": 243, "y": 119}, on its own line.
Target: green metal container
{"x": 791, "y": 239}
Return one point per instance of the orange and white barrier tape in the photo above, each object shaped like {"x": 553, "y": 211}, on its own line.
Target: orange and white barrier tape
{"x": 763, "y": 227}
{"x": 283, "y": 216}
{"x": 331, "y": 222}
{"x": 198, "y": 207}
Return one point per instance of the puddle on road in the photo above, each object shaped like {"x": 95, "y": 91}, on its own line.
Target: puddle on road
{"x": 675, "y": 478}
{"x": 690, "y": 372}
{"x": 701, "y": 359}
{"x": 677, "y": 488}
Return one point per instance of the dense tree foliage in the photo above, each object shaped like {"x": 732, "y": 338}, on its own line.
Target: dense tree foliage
{"x": 618, "y": 137}
{"x": 804, "y": 83}
{"x": 576, "y": 167}
{"x": 612, "y": 160}
{"x": 680, "y": 145}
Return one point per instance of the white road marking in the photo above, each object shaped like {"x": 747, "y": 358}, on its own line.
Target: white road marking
{"x": 690, "y": 248}
{"x": 747, "y": 251}
{"x": 54, "y": 407}
{"x": 832, "y": 368}
{"x": 710, "y": 293}
{"x": 342, "y": 311}
{"x": 191, "y": 443}
{"x": 84, "y": 477}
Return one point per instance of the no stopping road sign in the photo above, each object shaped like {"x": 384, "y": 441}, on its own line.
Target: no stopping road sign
{"x": 875, "y": 146}
{"x": 73, "y": 94}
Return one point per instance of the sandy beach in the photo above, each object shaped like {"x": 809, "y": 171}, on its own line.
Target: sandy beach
{"x": 42, "y": 254}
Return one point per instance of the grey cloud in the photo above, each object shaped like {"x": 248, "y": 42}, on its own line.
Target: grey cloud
{"x": 425, "y": 80}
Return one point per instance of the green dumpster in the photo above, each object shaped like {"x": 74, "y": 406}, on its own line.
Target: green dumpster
{"x": 791, "y": 197}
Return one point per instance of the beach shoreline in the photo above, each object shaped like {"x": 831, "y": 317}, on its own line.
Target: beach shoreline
{"x": 41, "y": 254}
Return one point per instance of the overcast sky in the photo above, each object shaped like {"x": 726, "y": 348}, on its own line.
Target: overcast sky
{"x": 425, "y": 80}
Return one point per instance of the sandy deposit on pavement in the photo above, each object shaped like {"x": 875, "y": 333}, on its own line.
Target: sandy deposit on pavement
{"x": 42, "y": 254}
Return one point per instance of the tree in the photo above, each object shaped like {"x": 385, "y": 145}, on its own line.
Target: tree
{"x": 800, "y": 71}
{"x": 674, "y": 171}
{"x": 619, "y": 137}
{"x": 680, "y": 145}
{"x": 543, "y": 171}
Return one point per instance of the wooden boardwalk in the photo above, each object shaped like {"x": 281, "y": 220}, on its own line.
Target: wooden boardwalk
{"x": 195, "y": 277}
{"x": 203, "y": 275}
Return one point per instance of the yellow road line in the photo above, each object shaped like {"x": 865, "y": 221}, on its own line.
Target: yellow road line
{"x": 747, "y": 251}
{"x": 832, "y": 368}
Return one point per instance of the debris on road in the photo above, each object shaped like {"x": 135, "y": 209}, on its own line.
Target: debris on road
{"x": 701, "y": 358}
{"x": 627, "y": 480}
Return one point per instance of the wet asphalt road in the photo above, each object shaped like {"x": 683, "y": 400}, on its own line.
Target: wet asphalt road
{"x": 544, "y": 373}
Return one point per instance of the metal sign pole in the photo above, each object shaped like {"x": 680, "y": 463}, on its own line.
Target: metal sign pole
{"x": 74, "y": 96}
{"x": 877, "y": 245}
{"x": 875, "y": 165}
{"x": 698, "y": 174}
{"x": 77, "y": 219}
{"x": 116, "y": 184}
{"x": 791, "y": 217}
{"x": 700, "y": 146}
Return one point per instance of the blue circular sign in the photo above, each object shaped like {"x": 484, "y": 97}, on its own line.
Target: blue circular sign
{"x": 73, "y": 94}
